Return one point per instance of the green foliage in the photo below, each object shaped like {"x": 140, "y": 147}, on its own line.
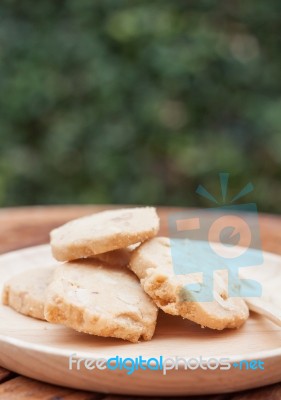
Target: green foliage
{"x": 139, "y": 101}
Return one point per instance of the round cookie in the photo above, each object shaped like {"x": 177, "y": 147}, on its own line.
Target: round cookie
{"x": 152, "y": 263}
{"x": 92, "y": 297}
{"x": 103, "y": 232}
{"x": 25, "y": 292}
{"x": 119, "y": 257}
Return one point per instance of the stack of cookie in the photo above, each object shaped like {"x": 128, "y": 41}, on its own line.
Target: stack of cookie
{"x": 112, "y": 277}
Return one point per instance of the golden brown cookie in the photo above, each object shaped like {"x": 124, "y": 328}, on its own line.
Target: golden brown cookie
{"x": 152, "y": 263}
{"x": 25, "y": 292}
{"x": 92, "y": 297}
{"x": 119, "y": 257}
{"x": 103, "y": 232}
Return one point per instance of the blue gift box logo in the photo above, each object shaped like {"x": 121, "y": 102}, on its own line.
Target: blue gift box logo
{"x": 226, "y": 237}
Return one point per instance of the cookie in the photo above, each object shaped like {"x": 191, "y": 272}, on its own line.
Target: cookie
{"x": 25, "y": 292}
{"x": 152, "y": 263}
{"x": 93, "y": 297}
{"x": 119, "y": 257}
{"x": 103, "y": 232}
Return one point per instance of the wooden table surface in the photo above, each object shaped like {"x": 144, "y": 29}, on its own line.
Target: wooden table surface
{"x": 29, "y": 226}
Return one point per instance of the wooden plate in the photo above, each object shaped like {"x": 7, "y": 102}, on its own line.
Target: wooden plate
{"x": 41, "y": 350}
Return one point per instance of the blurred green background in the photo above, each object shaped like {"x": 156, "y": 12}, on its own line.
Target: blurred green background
{"x": 139, "y": 101}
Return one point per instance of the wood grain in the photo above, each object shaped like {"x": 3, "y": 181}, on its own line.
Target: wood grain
{"x": 28, "y": 226}
{"x": 23, "y": 388}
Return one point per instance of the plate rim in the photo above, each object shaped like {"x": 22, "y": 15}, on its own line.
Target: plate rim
{"x": 39, "y": 348}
